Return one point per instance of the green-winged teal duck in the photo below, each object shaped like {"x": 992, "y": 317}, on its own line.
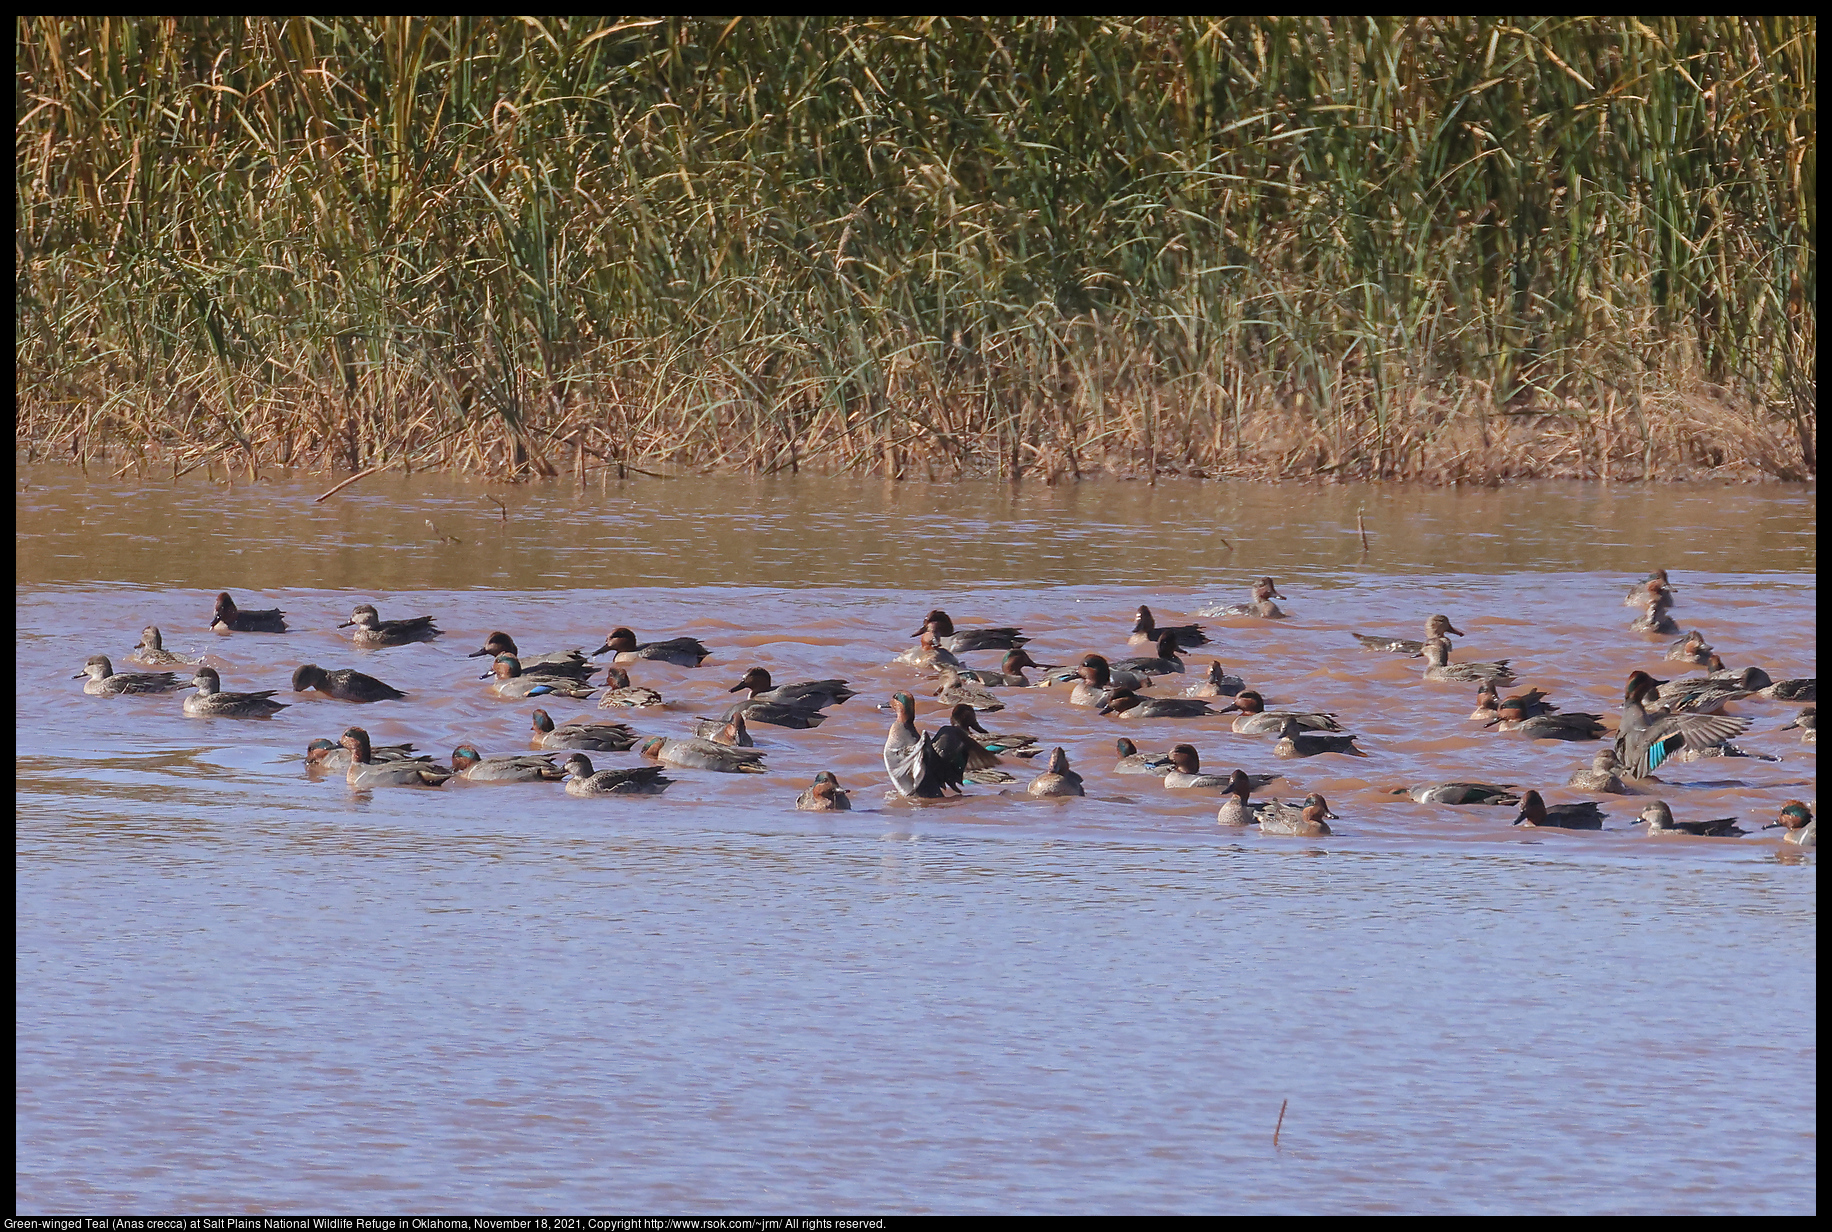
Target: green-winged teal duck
{"x": 1255, "y": 720}
{"x": 367, "y": 771}
{"x": 555, "y": 663}
{"x": 1604, "y": 775}
{"x": 1166, "y": 662}
{"x": 1488, "y": 702}
{"x": 1217, "y": 683}
{"x": 1297, "y": 741}
{"x": 1098, "y": 680}
{"x": 1656, "y": 618}
{"x": 680, "y": 651}
{"x": 512, "y": 682}
{"x": 1796, "y": 689}
{"x": 1799, "y": 821}
{"x": 1147, "y": 631}
{"x": 1659, "y": 819}
{"x": 1649, "y": 588}
{"x": 210, "y": 700}
{"x": 227, "y": 618}
{"x": 967, "y": 719}
{"x": 928, "y": 652}
{"x": 1460, "y": 793}
{"x": 1236, "y": 809}
{"x": 345, "y": 684}
{"x": 1806, "y": 722}
{"x": 824, "y": 795}
{"x": 730, "y": 731}
{"x": 620, "y": 694}
{"x": 1435, "y": 627}
{"x": 925, "y": 766}
{"x": 965, "y": 641}
{"x": 1644, "y": 741}
{"x": 697, "y": 754}
{"x": 1439, "y": 667}
{"x": 1307, "y": 821}
{"x": 775, "y": 714}
{"x": 1129, "y": 705}
{"x": 581, "y": 733}
{"x": 324, "y": 754}
{"x": 373, "y": 632}
{"x": 1010, "y": 672}
{"x": 1264, "y": 592}
{"x": 1690, "y": 649}
{"x": 473, "y": 767}
{"x": 1186, "y": 771}
{"x": 1513, "y": 716}
{"x": 1582, "y": 815}
{"x": 104, "y": 681}
{"x": 1131, "y": 761}
{"x": 581, "y": 780}
{"x": 807, "y": 694}
{"x": 959, "y": 692}
{"x": 152, "y": 652}
{"x": 1058, "y": 780}
{"x": 1529, "y": 704}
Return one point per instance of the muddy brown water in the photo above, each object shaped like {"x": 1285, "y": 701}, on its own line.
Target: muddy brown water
{"x": 240, "y": 988}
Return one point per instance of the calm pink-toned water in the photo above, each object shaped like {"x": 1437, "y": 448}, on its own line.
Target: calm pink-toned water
{"x": 240, "y": 988}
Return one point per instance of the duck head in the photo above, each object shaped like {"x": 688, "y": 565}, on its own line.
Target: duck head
{"x": 1247, "y": 701}
{"x": 1532, "y": 810}
{"x": 757, "y": 680}
{"x": 1120, "y": 701}
{"x": 497, "y": 643}
{"x": 1641, "y": 685}
{"x": 357, "y": 741}
{"x": 620, "y": 640}
{"x": 966, "y": 718}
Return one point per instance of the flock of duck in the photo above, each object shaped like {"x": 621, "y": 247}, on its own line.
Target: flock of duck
{"x": 1661, "y": 721}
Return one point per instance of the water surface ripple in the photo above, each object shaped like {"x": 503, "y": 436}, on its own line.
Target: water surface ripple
{"x": 241, "y": 989}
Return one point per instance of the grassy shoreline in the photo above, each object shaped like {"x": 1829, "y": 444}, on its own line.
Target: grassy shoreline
{"x": 1435, "y": 250}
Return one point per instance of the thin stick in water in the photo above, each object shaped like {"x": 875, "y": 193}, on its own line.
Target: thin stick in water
{"x": 1362, "y": 528}
{"x": 1281, "y": 1124}
{"x": 501, "y": 506}
{"x": 346, "y": 483}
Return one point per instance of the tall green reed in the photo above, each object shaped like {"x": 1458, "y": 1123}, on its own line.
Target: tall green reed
{"x": 1432, "y": 247}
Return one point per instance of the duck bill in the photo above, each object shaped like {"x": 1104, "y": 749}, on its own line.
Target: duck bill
{"x": 474, "y": 654}
{"x": 346, "y": 624}
{"x": 602, "y": 649}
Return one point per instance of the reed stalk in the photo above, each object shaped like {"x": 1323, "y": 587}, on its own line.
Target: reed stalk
{"x": 1447, "y": 249}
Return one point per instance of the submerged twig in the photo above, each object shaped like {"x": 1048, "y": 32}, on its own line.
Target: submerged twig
{"x": 346, "y": 483}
